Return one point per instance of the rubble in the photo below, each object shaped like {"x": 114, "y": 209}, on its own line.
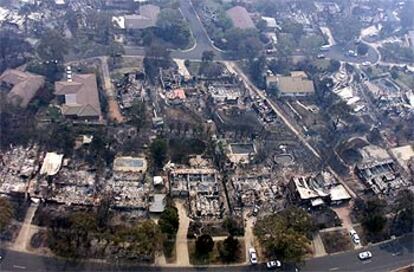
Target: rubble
{"x": 18, "y": 167}
{"x": 379, "y": 171}
{"x": 317, "y": 190}
{"x": 203, "y": 190}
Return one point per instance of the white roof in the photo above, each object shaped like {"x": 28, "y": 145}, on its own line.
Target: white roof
{"x": 345, "y": 93}
{"x": 270, "y": 21}
{"x": 353, "y": 100}
{"x": 119, "y": 21}
{"x": 51, "y": 164}
{"x": 338, "y": 193}
{"x": 158, "y": 180}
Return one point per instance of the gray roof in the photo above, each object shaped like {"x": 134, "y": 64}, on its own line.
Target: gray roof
{"x": 147, "y": 17}
{"x": 240, "y": 17}
{"x": 81, "y": 96}
{"x": 24, "y": 86}
{"x": 158, "y": 204}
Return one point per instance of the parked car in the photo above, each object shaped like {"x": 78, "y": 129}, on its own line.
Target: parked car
{"x": 354, "y": 237}
{"x": 273, "y": 264}
{"x": 253, "y": 255}
{"x": 365, "y": 255}
{"x": 255, "y": 210}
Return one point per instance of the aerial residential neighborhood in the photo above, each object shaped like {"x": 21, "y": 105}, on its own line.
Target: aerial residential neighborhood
{"x": 179, "y": 135}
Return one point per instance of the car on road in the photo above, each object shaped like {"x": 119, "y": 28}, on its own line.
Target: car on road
{"x": 274, "y": 264}
{"x": 354, "y": 236}
{"x": 365, "y": 255}
{"x": 253, "y": 255}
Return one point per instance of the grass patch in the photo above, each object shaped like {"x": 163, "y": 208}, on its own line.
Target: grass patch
{"x": 336, "y": 241}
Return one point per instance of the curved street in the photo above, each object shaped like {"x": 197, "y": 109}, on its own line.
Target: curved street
{"x": 202, "y": 41}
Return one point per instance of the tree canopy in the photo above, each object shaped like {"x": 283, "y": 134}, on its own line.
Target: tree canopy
{"x": 283, "y": 235}
{"x": 204, "y": 244}
{"x": 229, "y": 249}
{"x": 371, "y": 213}
{"x": 169, "y": 221}
{"x": 159, "y": 152}
{"x": 172, "y": 28}
{"x": 6, "y": 213}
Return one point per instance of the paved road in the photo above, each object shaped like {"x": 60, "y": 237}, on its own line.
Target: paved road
{"x": 386, "y": 257}
{"x": 203, "y": 42}
{"x": 337, "y": 52}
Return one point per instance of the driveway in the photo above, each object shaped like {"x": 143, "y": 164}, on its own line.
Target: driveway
{"x": 26, "y": 232}
{"x": 113, "y": 107}
{"x": 181, "y": 245}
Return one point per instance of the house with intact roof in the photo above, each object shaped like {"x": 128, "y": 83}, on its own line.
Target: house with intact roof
{"x": 147, "y": 17}
{"x": 22, "y": 86}
{"x": 79, "y": 97}
{"x": 240, "y": 17}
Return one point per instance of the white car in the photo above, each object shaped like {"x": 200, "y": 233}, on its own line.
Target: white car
{"x": 273, "y": 264}
{"x": 365, "y": 255}
{"x": 253, "y": 255}
{"x": 354, "y": 237}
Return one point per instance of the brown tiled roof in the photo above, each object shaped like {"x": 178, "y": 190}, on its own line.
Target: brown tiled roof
{"x": 24, "y": 86}
{"x": 240, "y": 17}
{"x": 82, "y": 98}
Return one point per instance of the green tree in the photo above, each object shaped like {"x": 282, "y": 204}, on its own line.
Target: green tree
{"x": 156, "y": 58}
{"x": 52, "y": 46}
{"x": 371, "y": 213}
{"x": 345, "y": 34}
{"x": 229, "y": 249}
{"x": 169, "y": 221}
{"x": 207, "y": 56}
{"x": 140, "y": 241}
{"x": 13, "y": 49}
{"x": 294, "y": 28}
{"x": 362, "y": 49}
{"x": 159, "y": 152}
{"x": 204, "y": 244}
{"x": 333, "y": 66}
{"x": 102, "y": 214}
{"x": 257, "y": 68}
{"x": 404, "y": 212}
{"x": 232, "y": 226}
{"x": 137, "y": 114}
{"x": 6, "y": 213}
{"x": 284, "y": 235}
{"x": 243, "y": 43}
{"x": 172, "y": 27}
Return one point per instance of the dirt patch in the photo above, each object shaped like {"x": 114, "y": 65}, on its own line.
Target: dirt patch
{"x": 114, "y": 111}
{"x": 336, "y": 241}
